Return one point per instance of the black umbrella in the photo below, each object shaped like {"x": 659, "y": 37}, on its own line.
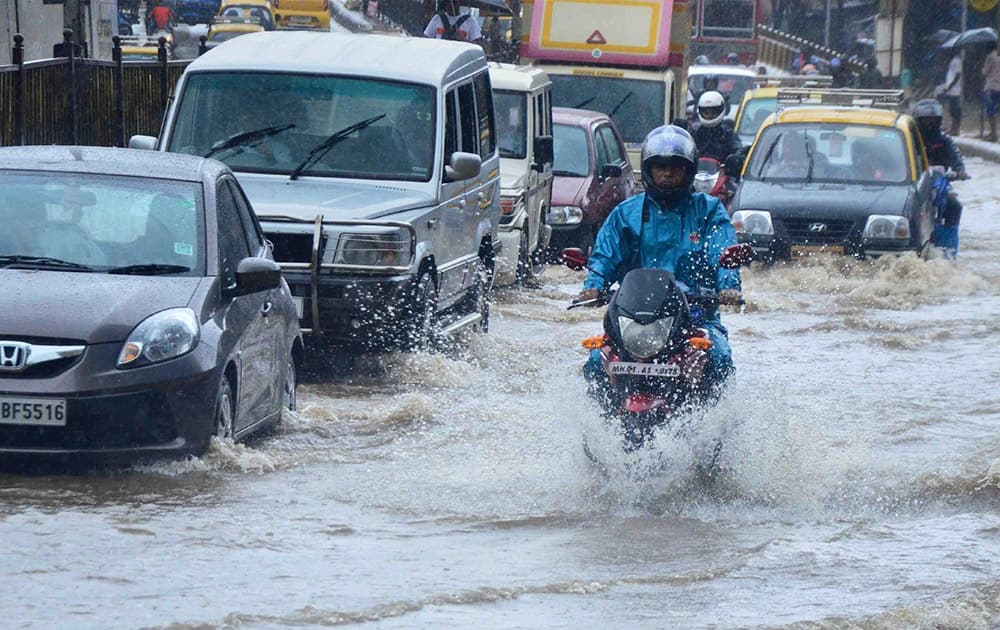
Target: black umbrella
{"x": 493, "y": 6}
{"x": 971, "y": 38}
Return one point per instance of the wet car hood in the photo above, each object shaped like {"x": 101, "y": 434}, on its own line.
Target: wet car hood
{"x": 822, "y": 200}
{"x": 91, "y": 307}
{"x": 569, "y": 191}
{"x": 336, "y": 200}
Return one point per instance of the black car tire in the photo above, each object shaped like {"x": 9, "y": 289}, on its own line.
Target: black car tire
{"x": 525, "y": 273}
{"x": 289, "y": 400}
{"x": 482, "y": 295}
{"x": 224, "y": 410}
{"x": 420, "y": 327}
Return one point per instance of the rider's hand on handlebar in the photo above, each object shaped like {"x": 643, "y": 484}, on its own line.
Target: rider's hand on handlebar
{"x": 588, "y": 294}
{"x": 962, "y": 175}
{"x": 729, "y": 296}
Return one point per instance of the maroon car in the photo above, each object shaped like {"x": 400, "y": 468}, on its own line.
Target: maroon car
{"x": 592, "y": 176}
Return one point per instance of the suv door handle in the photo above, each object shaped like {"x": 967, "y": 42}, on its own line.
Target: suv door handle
{"x": 265, "y": 310}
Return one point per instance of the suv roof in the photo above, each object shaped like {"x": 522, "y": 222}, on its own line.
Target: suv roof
{"x": 507, "y": 76}
{"x": 721, "y": 69}
{"x": 417, "y": 59}
{"x": 578, "y": 117}
{"x": 111, "y": 161}
{"x": 861, "y": 115}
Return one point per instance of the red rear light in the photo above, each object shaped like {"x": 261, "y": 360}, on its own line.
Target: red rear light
{"x": 326, "y": 5}
{"x": 507, "y": 205}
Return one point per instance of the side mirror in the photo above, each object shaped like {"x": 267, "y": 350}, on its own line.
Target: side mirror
{"x": 734, "y": 165}
{"x": 147, "y": 143}
{"x": 544, "y": 152}
{"x": 734, "y": 256}
{"x": 256, "y": 274}
{"x": 574, "y": 258}
{"x": 609, "y": 171}
{"x": 463, "y": 166}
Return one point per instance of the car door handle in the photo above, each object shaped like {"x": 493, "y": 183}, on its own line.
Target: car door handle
{"x": 265, "y": 309}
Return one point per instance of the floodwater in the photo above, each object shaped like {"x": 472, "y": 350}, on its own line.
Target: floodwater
{"x": 859, "y": 482}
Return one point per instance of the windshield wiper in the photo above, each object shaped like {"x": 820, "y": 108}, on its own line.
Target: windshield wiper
{"x": 615, "y": 109}
{"x": 41, "y": 261}
{"x": 809, "y": 154}
{"x": 767, "y": 157}
{"x": 150, "y": 269}
{"x": 584, "y": 103}
{"x": 247, "y": 139}
{"x": 322, "y": 148}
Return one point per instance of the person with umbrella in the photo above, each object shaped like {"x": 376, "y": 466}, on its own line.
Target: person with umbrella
{"x": 951, "y": 90}
{"x": 991, "y": 72}
{"x": 449, "y": 23}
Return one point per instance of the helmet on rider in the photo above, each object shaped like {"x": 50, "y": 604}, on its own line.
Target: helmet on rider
{"x": 711, "y": 109}
{"x": 669, "y": 146}
{"x": 733, "y": 59}
{"x": 701, "y": 60}
{"x": 928, "y": 113}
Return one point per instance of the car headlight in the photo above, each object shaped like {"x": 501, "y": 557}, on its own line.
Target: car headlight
{"x": 755, "y": 222}
{"x": 372, "y": 250}
{"x": 887, "y": 226}
{"x": 564, "y": 215}
{"x": 161, "y": 336}
{"x": 645, "y": 340}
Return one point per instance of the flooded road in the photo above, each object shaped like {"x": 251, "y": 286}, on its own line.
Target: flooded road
{"x": 860, "y": 482}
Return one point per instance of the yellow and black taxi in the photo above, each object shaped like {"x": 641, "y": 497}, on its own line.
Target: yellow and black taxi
{"x": 762, "y": 101}
{"x": 841, "y": 172}
{"x": 224, "y": 29}
{"x": 145, "y": 47}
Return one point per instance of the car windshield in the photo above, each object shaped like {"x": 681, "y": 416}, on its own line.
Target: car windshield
{"x": 734, "y": 86}
{"x": 829, "y": 152}
{"x": 102, "y": 222}
{"x": 511, "y": 108}
{"x": 219, "y": 106}
{"x": 572, "y": 155}
{"x": 754, "y": 112}
{"x": 635, "y": 105}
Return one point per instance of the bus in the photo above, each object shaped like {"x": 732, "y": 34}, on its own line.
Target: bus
{"x": 719, "y": 27}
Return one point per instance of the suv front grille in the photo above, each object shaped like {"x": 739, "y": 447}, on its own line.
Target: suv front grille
{"x": 294, "y": 247}
{"x": 807, "y": 231}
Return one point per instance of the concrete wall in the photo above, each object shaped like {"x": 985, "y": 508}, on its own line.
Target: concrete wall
{"x": 42, "y": 25}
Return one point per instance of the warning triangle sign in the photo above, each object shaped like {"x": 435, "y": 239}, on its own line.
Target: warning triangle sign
{"x": 596, "y": 38}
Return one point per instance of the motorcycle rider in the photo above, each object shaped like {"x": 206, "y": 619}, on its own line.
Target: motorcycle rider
{"x": 669, "y": 227}
{"x": 714, "y": 135}
{"x": 942, "y": 151}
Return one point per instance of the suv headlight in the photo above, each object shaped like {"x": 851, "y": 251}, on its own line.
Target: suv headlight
{"x": 564, "y": 215}
{"x": 372, "y": 250}
{"x": 887, "y": 226}
{"x": 645, "y": 340}
{"x": 161, "y": 336}
{"x": 755, "y": 222}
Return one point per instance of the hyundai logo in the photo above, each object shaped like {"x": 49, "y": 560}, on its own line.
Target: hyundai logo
{"x": 817, "y": 227}
{"x": 13, "y": 355}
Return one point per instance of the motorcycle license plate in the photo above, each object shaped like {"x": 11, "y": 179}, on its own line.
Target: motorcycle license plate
{"x": 624, "y": 368}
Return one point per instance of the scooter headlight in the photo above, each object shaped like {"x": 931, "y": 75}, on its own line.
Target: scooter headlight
{"x": 645, "y": 340}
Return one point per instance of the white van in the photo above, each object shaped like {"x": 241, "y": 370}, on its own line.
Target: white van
{"x": 372, "y": 162}
{"x": 523, "y": 104}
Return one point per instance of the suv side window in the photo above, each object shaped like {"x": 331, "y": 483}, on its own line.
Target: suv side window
{"x": 615, "y": 155}
{"x": 233, "y": 245}
{"x": 602, "y": 152}
{"x": 450, "y": 126}
{"x": 467, "y": 118}
{"x": 253, "y": 232}
{"x": 484, "y": 111}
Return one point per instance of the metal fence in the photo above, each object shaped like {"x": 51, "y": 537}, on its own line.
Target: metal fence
{"x": 73, "y": 100}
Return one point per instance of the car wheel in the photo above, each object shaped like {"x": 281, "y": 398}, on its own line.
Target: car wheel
{"x": 289, "y": 400}
{"x": 482, "y": 295}
{"x": 420, "y": 330}
{"x": 525, "y": 273}
{"x": 224, "y": 410}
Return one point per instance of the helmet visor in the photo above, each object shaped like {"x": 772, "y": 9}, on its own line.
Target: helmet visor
{"x": 710, "y": 113}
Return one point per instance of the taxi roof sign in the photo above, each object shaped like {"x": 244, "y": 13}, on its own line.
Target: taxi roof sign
{"x": 220, "y": 19}
{"x": 883, "y": 99}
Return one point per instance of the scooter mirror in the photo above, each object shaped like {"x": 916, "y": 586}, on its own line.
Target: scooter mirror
{"x": 736, "y": 255}
{"x": 574, "y": 258}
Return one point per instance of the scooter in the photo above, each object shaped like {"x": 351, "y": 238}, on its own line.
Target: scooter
{"x": 945, "y": 236}
{"x": 654, "y": 347}
{"x": 711, "y": 179}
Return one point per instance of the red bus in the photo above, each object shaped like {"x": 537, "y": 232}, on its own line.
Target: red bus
{"x": 719, "y": 27}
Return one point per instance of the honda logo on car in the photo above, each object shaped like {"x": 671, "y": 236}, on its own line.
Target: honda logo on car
{"x": 817, "y": 227}
{"x": 13, "y": 355}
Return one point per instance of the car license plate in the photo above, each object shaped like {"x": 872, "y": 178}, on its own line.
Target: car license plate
{"x": 48, "y": 412}
{"x": 300, "y": 306}
{"x": 798, "y": 251}
{"x": 299, "y": 19}
{"x": 625, "y": 368}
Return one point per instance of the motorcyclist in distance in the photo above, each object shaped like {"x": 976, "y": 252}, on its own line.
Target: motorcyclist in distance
{"x": 942, "y": 151}
{"x": 669, "y": 227}
{"x": 713, "y": 133}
